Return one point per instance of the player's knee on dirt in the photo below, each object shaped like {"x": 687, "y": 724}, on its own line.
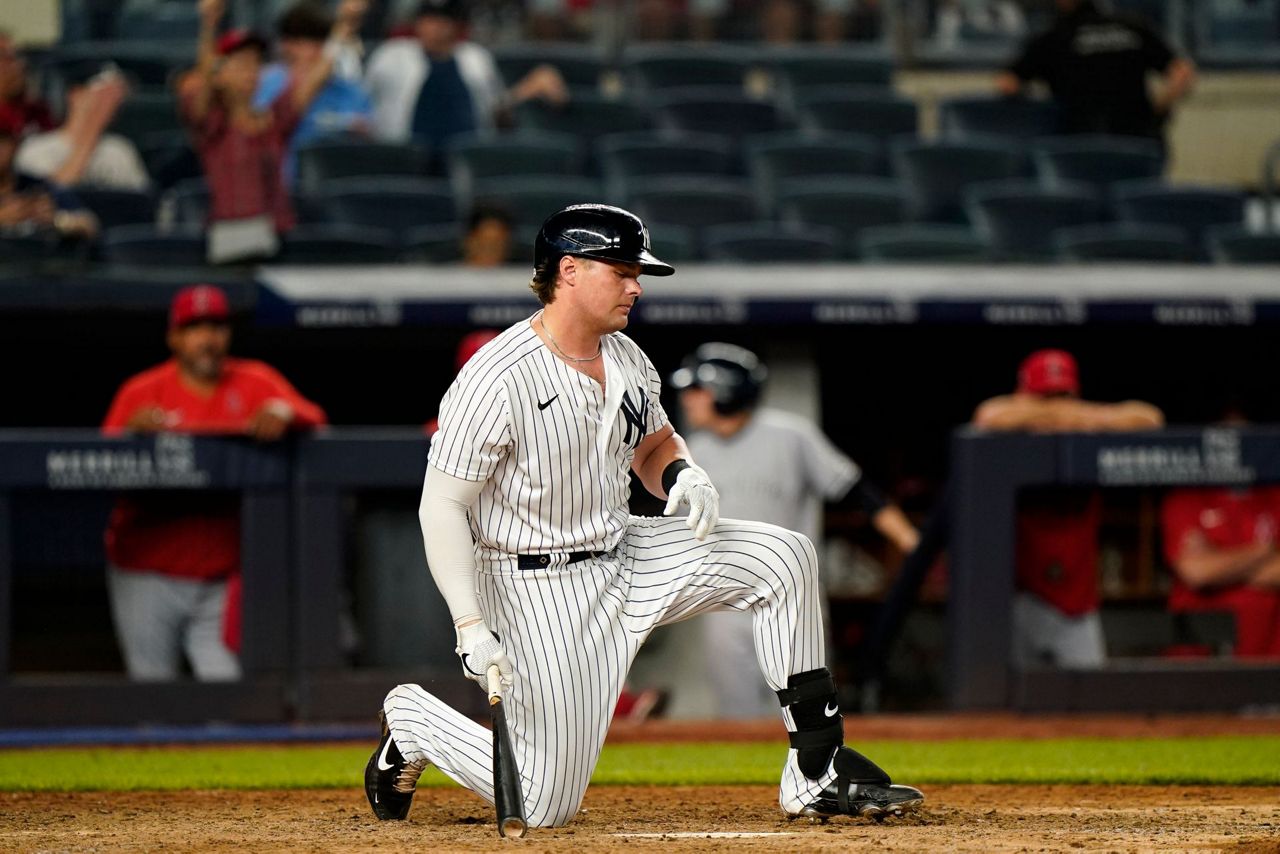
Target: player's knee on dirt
{"x": 819, "y": 733}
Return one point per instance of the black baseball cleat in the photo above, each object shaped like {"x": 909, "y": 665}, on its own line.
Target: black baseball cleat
{"x": 871, "y": 800}
{"x": 389, "y": 780}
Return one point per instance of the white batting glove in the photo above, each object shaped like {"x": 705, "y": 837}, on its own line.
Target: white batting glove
{"x": 479, "y": 649}
{"x": 694, "y": 487}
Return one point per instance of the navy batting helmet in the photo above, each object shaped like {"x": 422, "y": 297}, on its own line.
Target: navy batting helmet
{"x": 597, "y": 231}
{"x": 733, "y": 375}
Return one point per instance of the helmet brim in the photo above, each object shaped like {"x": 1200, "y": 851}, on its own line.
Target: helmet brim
{"x": 651, "y": 265}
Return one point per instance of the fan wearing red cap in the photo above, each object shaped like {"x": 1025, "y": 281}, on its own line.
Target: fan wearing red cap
{"x": 242, "y": 149}
{"x": 173, "y": 559}
{"x": 1055, "y": 609}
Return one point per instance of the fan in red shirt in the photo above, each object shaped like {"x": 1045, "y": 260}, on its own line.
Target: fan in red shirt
{"x": 1055, "y": 609}
{"x": 1222, "y": 546}
{"x": 173, "y": 556}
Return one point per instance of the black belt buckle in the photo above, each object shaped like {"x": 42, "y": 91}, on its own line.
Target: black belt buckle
{"x": 543, "y": 561}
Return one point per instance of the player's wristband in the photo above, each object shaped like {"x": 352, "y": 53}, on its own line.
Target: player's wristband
{"x": 671, "y": 472}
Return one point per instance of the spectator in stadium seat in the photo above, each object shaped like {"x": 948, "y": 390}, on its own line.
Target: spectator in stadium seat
{"x": 242, "y": 148}
{"x": 17, "y": 107}
{"x": 1055, "y": 609}
{"x": 1223, "y": 545}
{"x": 1095, "y": 65}
{"x": 173, "y": 557}
{"x": 958, "y": 18}
{"x": 341, "y": 107}
{"x": 487, "y": 242}
{"x": 81, "y": 151}
{"x": 438, "y": 85}
{"x": 31, "y": 206}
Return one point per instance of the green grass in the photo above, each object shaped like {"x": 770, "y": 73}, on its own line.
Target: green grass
{"x": 1235, "y": 760}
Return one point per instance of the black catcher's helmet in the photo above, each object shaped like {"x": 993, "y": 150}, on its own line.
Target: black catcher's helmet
{"x": 597, "y": 231}
{"x": 733, "y": 375}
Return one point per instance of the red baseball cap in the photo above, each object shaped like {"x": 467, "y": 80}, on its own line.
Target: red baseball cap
{"x": 199, "y": 303}
{"x": 234, "y": 40}
{"x": 1047, "y": 372}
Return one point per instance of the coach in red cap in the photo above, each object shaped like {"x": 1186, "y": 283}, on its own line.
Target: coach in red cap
{"x": 173, "y": 558}
{"x": 1055, "y": 611}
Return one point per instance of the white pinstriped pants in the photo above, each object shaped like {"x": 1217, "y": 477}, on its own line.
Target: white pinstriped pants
{"x": 573, "y": 631}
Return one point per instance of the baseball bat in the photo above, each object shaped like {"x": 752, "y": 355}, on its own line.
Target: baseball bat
{"x": 507, "y": 798}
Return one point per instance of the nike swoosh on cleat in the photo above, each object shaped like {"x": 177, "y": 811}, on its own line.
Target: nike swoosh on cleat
{"x": 831, "y": 711}
{"x": 542, "y": 406}
{"x": 383, "y": 765}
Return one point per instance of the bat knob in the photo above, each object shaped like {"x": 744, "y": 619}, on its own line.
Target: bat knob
{"x": 512, "y": 827}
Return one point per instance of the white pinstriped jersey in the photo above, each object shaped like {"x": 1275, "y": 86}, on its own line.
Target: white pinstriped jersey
{"x": 552, "y": 446}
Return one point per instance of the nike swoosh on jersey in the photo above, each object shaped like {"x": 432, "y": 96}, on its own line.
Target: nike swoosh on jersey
{"x": 542, "y": 406}
{"x": 383, "y": 764}
{"x": 831, "y": 711}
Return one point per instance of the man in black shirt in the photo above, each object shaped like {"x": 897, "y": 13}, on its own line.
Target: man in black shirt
{"x": 1096, "y": 66}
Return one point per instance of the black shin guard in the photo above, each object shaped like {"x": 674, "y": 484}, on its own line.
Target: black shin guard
{"x": 819, "y": 732}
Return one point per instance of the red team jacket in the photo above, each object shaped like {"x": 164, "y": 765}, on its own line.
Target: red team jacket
{"x": 192, "y": 535}
{"x": 1227, "y": 518}
{"x": 1057, "y": 551}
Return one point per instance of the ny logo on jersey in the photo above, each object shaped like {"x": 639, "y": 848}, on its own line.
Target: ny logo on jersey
{"x": 634, "y": 413}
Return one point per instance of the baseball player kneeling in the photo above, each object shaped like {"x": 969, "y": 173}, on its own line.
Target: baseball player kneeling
{"x": 547, "y": 576}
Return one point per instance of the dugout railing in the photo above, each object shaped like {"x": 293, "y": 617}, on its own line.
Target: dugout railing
{"x": 988, "y": 470}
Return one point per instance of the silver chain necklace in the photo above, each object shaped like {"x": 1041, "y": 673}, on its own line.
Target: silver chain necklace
{"x": 562, "y": 353}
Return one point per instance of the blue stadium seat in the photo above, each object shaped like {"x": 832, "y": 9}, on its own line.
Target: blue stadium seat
{"x": 873, "y": 112}
{"x": 159, "y": 22}
{"x": 439, "y": 243}
{"x": 1235, "y": 244}
{"x": 588, "y": 117}
{"x": 673, "y": 243}
{"x": 694, "y": 202}
{"x": 145, "y": 113}
{"x": 798, "y": 69}
{"x": 716, "y": 110}
{"x": 655, "y": 67}
{"x": 1121, "y": 241}
{"x": 532, "y": 198}
{"x": 771, "y": 242}
{"x": 118, "y": 207}
{"x": 323, "y": 161}
{"x": 629, "y": 159}
{"x": 774, "y": 158}
{"x": 936, "y": 174}
{"x": 847, "y": 204}
{"x": 921, "y": 243}
{"x": 1018, "y": 218}
{"x": 338, "y": 244}
{"x": 152, "y": 246}
{"x": 1097, "y": 160}
{"x": 399, "y": 205}
{"x": 473, "y": 159}
{"x": 1016, "y": 118}
{"x": 1194, "y": 208}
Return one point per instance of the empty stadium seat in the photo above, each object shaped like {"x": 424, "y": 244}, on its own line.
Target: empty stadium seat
{"x": 846, "y": 204}
{"x": 673, "y": 243}
{"x": 1097, "y": 160}
{"x": 629, "y": 159}
{"x": 774, "y": 158}
{"x": 716, "y": 110}
{"x": 150, "y": 245}
{"x": 797, "y": 69}
{"x": 144, "y": 113}
{"x": 587, "y": 117}
{"x": 1017, "y": 118}
{"x": 936, "y": 174}
{"x": 474, "y": 158}
{"x": 1194, "y": 208}
{"x": 1018, "y": 218}
{"x": 1235, "y": 244}
{"x": 921, "y": 243}
{"x": 27, "y": 249}
{"x": 532, "y": 198}
{"x": 185, "y": 203}
{"x": 439, "y": 243}
{"x": 695, "y": 202}
{"x": 399, "y": 205}
{"x": 580, "y": 69}
{"x": 323, "y": 161}
{"x": 771, "y": 242}
{"x": 118, "y": 207}
{"x": 874, "y": 112}
{"x": 159, "y": 22}
{"x": 1121, "y": 241}
{"x": 652, "y": 68}
{"x": 338, "y": 244}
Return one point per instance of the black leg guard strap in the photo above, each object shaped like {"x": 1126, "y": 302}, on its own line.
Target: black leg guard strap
{"x": 819, "y": 731}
